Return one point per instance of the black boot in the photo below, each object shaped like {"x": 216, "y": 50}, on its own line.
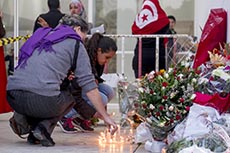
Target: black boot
{"x": 41, "y": 134}
{"x": 32, "y": 140}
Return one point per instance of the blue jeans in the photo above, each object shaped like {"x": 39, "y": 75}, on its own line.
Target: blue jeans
{"x": 107, "y": 93}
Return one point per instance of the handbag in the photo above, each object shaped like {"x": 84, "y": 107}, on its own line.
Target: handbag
{"x": 65, "y": 83}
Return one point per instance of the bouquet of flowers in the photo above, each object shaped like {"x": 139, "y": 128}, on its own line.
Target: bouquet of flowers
{"x": 214, "y": 83}
{"x": 207, "y": 143}
{"x": 165, "y": 98}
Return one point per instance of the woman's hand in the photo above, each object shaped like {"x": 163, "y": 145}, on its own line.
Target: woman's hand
{"x": 111, "y": 125}
{"x": 71, "y": 76}
{"x": 42, "y": 22}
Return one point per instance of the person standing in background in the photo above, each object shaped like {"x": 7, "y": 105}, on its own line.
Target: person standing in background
{"x": 4, "y": 107}
{"x": 170, "y": 41}
{"x": 150, "y": 20}
{"x": 52, "y": 17}
{"x": 77, "y": 7}
{"x": 172, "y": 23}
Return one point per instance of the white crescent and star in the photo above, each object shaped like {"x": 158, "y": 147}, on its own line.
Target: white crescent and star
{"x": 147, "y": 15}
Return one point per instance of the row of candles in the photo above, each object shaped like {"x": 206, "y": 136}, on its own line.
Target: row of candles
{"x": 118, "y": 137}
{"x": 115, "y": 143}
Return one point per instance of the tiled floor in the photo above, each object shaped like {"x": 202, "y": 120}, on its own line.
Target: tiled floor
{"x": 65, "y": 143}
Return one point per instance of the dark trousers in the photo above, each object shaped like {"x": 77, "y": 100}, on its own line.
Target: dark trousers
{"x": 39, "y": 109}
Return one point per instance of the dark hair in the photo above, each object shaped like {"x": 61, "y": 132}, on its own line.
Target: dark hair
{"x": 172, "y": 17}
{"x": 75, "y": 20}
{"x": 53, "y": 4}
{"x": 97, "y": 40}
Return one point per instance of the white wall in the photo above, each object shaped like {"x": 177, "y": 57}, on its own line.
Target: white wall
{"x": 202, "y": 10}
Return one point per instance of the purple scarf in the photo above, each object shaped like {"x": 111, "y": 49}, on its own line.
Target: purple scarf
{"x": 43, "y": 40}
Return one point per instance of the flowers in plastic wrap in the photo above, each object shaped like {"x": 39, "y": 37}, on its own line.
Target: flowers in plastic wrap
{"x": 210, "y": 143}
{"x": 204, "y": 129}
{"x": 165, "y": 98}
{"x": 214, "y": 83}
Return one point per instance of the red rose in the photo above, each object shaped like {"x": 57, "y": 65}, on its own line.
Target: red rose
{"x": 136, "y": 105}
{"x": 164, "y": 84}
{"x": 151, "y": 91}
{"x": 181, "y": 100}
{"x": 187, "y": 108}
{"x": 165, "y": 97}
{"x": 144, "y": 105}
{"x": 161, "y": 108}
{"x": 171, "y": 120}
{"x": 178, "y": 117}
{"x": 158, "y": 113}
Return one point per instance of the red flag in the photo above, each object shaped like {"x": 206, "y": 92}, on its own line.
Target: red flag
{"x": 151, "y": 18}
{"x": 214, "y": 33}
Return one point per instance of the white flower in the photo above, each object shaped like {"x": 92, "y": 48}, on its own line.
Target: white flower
{"x": 180, "y": 76}
{"x": 172, "y": 94}
{"x": 166, "y": 75}
{"x": 194, "y": 80}
{"x": 171, "y": 108}
{"x": 193, "y": 96}
{"x": 152, "y": 72}
{"x": 183, "y": 63}
{"x": 151, "y": 107}
{"x": 170, "y": 70}
{"x": 143, "y": 102}
{"x": 187, "y": 65}
{"x": 162, "y": 124}
{"x": 220, "y": 73}
{"x": 183, "y": 87}
{"x": 151, "y": 75}
{"x": 141, "y": 90}
{"x": 149, "y": 120}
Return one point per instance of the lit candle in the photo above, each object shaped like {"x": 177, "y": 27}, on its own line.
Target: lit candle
{"x": 118, "y": 131}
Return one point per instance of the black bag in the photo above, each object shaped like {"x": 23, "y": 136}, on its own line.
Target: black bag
{"x": 19, "y": 125}
{"x": 65, "y": 83}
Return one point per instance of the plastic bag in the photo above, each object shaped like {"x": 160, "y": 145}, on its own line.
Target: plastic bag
{"x": 214, "y": 33}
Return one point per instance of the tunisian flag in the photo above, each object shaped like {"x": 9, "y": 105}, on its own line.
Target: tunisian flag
{"x": 214, "y": 34}
{"x": 151, "y": 18}
{"x": 4, "y": 106}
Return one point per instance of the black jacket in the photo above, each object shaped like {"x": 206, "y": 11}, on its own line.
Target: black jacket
{"x": 148, "y": 54}
{"x": 52, "y": 18}
{"x": 2, "y": 29}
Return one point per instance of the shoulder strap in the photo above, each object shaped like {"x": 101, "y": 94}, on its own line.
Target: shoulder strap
{"x": 73, "y": 66}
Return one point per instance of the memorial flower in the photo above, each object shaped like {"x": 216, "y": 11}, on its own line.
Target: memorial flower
{"x": 165, "y": 97}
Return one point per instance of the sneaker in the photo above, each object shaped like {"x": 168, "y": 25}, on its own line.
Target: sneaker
{"x": 66, "y": 125}
{"x": 83, "y": 125}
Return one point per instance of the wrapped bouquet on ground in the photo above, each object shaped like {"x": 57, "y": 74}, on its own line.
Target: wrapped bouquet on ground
{"x": 214, "y": 84}
{"x": 204, "y": 129}
{"x": 165, "y": 98}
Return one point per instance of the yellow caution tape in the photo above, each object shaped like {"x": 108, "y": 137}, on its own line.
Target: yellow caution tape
{"x": 6, "y": 41}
